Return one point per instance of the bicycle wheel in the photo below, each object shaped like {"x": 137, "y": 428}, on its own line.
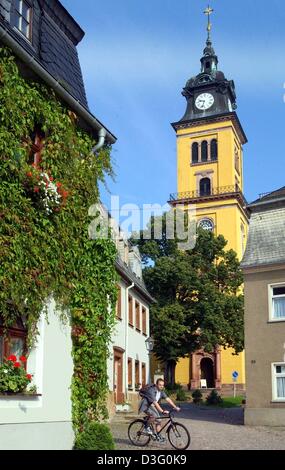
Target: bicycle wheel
{"x": 135, "y": 433}
{"x": 178, "y": 436}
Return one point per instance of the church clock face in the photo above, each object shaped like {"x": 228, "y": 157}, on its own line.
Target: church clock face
{"x": 204, "y": 101}
{"x": 207, "y": 224}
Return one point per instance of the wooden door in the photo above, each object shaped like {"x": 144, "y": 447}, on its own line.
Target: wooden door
{"x": 118, "y": 376}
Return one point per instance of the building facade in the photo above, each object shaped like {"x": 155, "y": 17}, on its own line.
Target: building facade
{"x": 210, "y": 142}
{"x": 43, "y": 37}
{"x": 264, "y": 273}
{"x": 128, "y": 364}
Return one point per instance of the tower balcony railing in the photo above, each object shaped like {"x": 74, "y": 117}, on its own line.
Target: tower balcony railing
{"x": 208, "y": 193}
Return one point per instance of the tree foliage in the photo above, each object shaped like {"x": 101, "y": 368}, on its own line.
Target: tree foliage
{"x": 198, "y": 294}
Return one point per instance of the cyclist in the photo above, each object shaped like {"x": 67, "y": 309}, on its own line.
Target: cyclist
{"x": 149, "y": 405}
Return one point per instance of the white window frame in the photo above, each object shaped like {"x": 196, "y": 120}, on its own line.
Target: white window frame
{"x": 19, "y": 26}
{"x": 272, "y": 319}
{"x": 274, "y": 381}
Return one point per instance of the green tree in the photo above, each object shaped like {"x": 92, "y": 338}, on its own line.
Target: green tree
{"x": 199, "y": 303}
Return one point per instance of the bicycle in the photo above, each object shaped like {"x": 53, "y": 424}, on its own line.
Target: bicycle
{"x": 177, "y": 434}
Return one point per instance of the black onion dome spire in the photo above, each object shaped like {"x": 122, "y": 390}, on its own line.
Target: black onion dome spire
{"x": 210, "y": 81}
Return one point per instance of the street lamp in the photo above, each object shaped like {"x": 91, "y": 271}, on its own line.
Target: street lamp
{"x": 149, "y": 342}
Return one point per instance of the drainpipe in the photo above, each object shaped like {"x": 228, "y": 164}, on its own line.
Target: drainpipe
{"x": 127, "y": 338}
{"x": 102, "y": 137}
{"x": 42, "y": 72}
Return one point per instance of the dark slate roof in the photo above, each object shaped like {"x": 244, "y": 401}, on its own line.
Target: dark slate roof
{"x": 5, "y": 6}
{"x": 55, "y": 37}
{"x": 60, "y": 57}
{"x": 126, "y": 272}
{"x": 270, "y": 196}
{"x": 266, "y": 240}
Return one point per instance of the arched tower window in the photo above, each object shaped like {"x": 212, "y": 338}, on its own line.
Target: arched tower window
{"x": 205, "y": 187}
{"x": 195, "y": 152}
{"x": 214, "y": 150}
{"x": 204, "y": 151}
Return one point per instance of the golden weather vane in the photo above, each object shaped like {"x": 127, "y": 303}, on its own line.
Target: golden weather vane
{"x": 208, "y": 12}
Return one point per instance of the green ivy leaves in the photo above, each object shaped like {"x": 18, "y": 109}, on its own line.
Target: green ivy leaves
{"x": 43, "y": 256}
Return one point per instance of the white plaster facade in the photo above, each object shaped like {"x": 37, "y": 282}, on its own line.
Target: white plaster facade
{"x": 43, "y": 422}
{"x": 131, "y": 331}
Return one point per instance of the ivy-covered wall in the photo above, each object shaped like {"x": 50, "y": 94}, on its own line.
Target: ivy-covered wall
{"x": 44, "y": 246}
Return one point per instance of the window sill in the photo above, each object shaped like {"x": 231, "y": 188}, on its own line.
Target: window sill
{"x": 138, "y": 330}
{"x": 277, "y": 320}
{"x": 28, "y": 40}
{"x": 203, "y": 163}
{"x": 132, "y": 326}
{"x": 19, "y": 395}
{"x": 279, "y": 400}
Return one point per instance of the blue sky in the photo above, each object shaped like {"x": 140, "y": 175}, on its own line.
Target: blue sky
{"x": 137, "y": 56}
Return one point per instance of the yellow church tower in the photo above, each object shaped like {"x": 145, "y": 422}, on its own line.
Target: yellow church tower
{"x": 210, "y": 143}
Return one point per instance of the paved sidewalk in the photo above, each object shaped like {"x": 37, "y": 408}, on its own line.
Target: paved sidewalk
{"x": 213, "y": 429}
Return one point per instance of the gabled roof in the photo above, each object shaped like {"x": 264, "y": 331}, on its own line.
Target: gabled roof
{"x": 52, "y": 55}
{"x": 266, "y": 240}
{"x": 55, "y": 35}
{"x": 126, "y": 272}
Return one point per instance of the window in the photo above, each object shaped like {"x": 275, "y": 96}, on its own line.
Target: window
{"x": 237, "y": 160}
{"x": 36, "y": 148}
{"x": 278, "y": 381}
{"x": 14, "y": 342}
{"x": 214, "y": 150}
{"x": 204, "y": 149}
{"x": 1, "y": 349}
{"x": 130, "y": 373}
{"x": 143, "y": 374}
{"x": 195, "y": 152}
{"x": 23, "y": 18}
{"x": 138, "y": 322}
{"x": 144, "y": 321}
{"x": 206, "y": 224}
{"x": 277, "y": 308}
{"x": 243, "y": 238}
{"x": 205, "y": 187}
{"x": 131, "y": 319}
{"x": 119, "y": 303}
{"x": 137, "y": 374}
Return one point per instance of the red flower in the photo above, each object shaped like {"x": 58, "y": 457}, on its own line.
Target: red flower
{"x": 58, "y": 185}
{"x": 51, "y": 178}
{"x": 29, "y": 174}
{"x": 12, "y": 358}
{"x": 23, "y": 359}
{"x": 17, "y": 364}
{"x": 29, "y": 376}
{"x": 36, "y": 189}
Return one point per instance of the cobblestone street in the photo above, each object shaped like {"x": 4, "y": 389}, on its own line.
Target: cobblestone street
{"x": 213, "y": 429}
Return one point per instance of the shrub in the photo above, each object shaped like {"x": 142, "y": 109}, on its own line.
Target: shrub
{"x": 173, "y": 388}
{"x": 96, "y": 436}
{"x": 197, "y": 397}
{"x": 214, "y": 398}
{"x": 181, "y": 395}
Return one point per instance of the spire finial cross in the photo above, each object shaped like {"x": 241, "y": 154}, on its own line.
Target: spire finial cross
{"x": 208, "y": 12}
